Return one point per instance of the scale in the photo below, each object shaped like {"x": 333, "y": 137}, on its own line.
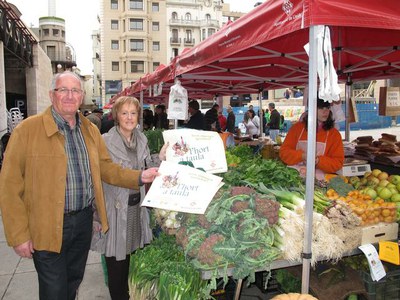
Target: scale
{"x": 354, "y": 167}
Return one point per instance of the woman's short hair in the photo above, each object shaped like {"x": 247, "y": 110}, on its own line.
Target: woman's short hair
{"x": 120, "y": 102}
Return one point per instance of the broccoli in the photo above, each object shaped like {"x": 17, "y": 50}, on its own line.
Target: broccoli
{"x": 338, "y": 184}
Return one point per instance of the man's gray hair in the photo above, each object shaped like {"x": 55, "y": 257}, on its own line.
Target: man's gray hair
{"x": 58, "y": 75}
{"x": 272, "y": 105}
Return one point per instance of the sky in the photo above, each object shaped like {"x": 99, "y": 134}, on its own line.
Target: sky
{"x": 81, "y": 19}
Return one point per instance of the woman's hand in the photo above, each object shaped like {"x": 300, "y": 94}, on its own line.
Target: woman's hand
{"x": 163, "y": 152}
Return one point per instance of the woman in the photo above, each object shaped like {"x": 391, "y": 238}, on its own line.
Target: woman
{"x": 251, "y": 128}
{"x": 329, "y": 146}
{"x": 128, "y": 222}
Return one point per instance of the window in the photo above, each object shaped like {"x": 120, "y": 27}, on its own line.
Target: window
{"x": 136, "y": 45}
{"x": 114, "y": 4}
{"x": 188, "y": 36}
{"x": 46, "y": 32}
{"x": 114, "y": 24}
{"x": 137, "y": 66}
{"x": 175, "y": 34}
{"x": 114, "y": 44}
{"x": 136, "y": 24}
{"x": 188, "y": 16}
{"x": 156, "y": 46}
{"x": 115, "y": 66}
{"x": 203, "y": 34}
{"x": 155, "y": 7}
{"x": 136, "y": 4}
{"x": 208, "y": 18}
{"x": 51, "y": 52}
{"x": 211, "y": 31}
{"x": 174, "y": 16}
{"x": 56, "y": 32}
{"x": 155, "y": 65}
{"x": 156, "y": 26}
{"x": 63, "y": 33}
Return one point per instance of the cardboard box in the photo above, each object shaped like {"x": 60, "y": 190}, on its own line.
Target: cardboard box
{"x": 378, "y": 232}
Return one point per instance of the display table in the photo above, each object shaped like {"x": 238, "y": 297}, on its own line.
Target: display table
{"x": 277, "y": 264}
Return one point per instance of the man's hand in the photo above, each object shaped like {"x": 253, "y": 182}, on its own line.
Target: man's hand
{"x": 149, "y": 175}
{"x": 25, "y": 249}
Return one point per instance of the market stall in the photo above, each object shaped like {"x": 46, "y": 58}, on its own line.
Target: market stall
{"x": 265, "y": 48}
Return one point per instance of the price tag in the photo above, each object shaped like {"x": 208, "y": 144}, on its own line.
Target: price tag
{"x": 375, "y": 264}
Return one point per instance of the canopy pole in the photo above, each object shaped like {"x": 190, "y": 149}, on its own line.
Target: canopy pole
{"x": 311, "y": 141}
{"x": 348, "y": 91}
{"x": 260, "y": 115}
{"x": 141, "y": 105}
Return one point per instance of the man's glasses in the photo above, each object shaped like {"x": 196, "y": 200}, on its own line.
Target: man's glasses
{"x": 65, "y": 91}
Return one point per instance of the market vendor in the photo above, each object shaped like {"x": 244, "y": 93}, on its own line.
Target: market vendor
{"x": 329, "y": 146}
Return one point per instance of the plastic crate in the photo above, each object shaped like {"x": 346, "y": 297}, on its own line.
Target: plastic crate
{"x": 388, "y": 288}
{"x": 261, "y": 278}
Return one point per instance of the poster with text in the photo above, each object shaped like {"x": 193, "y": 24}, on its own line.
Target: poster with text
{"x": 182, "y": 188}
{"x": 205, "y": 149}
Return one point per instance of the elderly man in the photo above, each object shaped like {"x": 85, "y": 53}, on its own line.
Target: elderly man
{"x": 50, "y": 184}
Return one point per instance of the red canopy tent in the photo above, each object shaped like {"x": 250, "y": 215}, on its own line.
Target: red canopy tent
{"x": 265, "y": 50}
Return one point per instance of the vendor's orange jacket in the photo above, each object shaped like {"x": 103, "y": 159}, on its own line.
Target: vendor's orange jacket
{"x": 333, "y": 157}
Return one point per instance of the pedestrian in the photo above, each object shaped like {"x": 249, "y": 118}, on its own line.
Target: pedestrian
{"x": 222, "y": 121}
{"x": 95, "y": 117}
{"x": 274, "y": 122}
{"x": 231, "y": 120}
{"x": 251, "y": 129}
{"x": 51, "y": 182}
{"x": 161, "y": 117}
{"x": 196, "y": 120}
{"x": 211, "y": 119}
{"x": 287, "y": 93}
{"x": 129, "y": 223}
{"x": 107, "y": 122}
{"x": 148, "y": 119}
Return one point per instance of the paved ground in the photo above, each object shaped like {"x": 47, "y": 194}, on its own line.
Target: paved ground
{"x": 18, "y": 279}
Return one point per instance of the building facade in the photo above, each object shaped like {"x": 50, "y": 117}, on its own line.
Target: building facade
{"x": 137, "y": 36}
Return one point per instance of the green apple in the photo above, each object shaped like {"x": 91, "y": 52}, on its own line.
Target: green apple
{"x": 378, "y": 188}
{"x": 385, "y": 193}
{"x": 376, "y": 172}
{"x": 395, "y": 198}
{"x": 394, "y": 191}
{"x": 371, "y": 192}
{"x": 372, "y": 181}
{"x": 383, "y": 182}
{"x": 395, "y": 179}
{"x": 390, "y": 185}
{"x": 383, "y": 175}
{"x": 363, "y": 181}
{"x": 366, "y": 174}
{"x": 398, "y": 187}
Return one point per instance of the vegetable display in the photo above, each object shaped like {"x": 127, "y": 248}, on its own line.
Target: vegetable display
{"x": 236, "y": 230}
{"x": 159, "y": 272}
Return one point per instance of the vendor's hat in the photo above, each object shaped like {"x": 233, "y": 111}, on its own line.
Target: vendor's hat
{"x": 321, "y": 103}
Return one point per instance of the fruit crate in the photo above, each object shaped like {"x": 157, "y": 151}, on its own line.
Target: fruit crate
{"x": 388, "y": 288}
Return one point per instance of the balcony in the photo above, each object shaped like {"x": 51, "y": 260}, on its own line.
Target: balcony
{"x": 210, "y": 23}
{"x": 175, "y": 41}
{"x": 183, "y": 22}
{"x": 188, "y": 42}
